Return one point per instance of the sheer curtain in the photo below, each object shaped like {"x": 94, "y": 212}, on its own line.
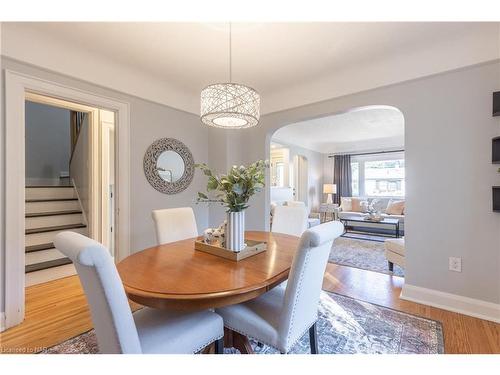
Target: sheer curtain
{"x": 342, "y": 176}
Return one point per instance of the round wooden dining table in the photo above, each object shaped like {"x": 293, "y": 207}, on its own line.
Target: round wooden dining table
{"x": 175, "y": 276}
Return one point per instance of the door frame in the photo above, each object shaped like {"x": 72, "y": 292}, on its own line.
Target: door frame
{"x": 16, "y": 86}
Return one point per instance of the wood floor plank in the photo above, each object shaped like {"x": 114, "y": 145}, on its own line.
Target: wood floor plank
{"x": 58, "y": 310}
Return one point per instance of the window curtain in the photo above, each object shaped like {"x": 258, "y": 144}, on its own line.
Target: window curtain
{"x": 342, "y": 176}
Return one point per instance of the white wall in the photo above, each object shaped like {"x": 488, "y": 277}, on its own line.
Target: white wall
{"x": 48, "y": 143}
{"x": 448, "y": 131}
{"x": 2, "y": 196}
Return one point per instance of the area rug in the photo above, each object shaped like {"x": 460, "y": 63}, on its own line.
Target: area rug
{"x": 345, "y": 326}
{"x": 367, "y": 255}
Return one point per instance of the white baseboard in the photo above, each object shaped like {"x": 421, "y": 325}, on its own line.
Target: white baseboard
{"x": 452, "y": 302}
{"x": 2, "y": 321}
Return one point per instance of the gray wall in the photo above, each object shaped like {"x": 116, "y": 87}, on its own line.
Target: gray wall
{"x": 48, "y": 144}
{"x": 448, "y": 131}
{"x": 149, "y": 121}
{"x": 79, "y": 167}
{"x": 314, "y": 173}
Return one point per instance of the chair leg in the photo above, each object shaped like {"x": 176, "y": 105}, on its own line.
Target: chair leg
{"x": 219, "y": 346}
{"x": 313, "y": 339}
{"x": 391, "y": 266}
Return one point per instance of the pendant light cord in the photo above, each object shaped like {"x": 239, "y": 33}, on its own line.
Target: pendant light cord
{"x": 230, "y": 56}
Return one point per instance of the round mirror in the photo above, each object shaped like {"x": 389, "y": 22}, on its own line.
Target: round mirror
{"x": 169, "y": 165}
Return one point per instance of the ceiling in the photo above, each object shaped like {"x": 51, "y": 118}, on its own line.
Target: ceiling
{"x": 290, "y": 64}
{"x": 362, "y": 129}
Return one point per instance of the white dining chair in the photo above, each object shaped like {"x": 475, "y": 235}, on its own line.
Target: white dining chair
{"x": 147, "y": 330}
{"x": 280, "y": 317}
{"x": 174, "y": 224}
{"x": 290, "y": 220}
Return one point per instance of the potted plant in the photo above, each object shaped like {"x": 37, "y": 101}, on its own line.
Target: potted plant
{"x": 233, "y": 190}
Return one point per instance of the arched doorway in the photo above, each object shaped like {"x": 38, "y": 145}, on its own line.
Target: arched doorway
{"x": 359, "y": 155}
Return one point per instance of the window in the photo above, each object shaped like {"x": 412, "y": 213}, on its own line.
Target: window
{"x": 378, "y": 175}
{"x": 355, "y": 178}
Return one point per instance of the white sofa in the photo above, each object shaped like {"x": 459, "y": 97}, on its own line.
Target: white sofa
{"x": 380, "y": 204}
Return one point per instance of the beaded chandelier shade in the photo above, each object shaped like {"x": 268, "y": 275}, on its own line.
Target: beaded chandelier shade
{"x": 230, "y": 105}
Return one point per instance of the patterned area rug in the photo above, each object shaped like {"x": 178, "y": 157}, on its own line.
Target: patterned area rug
{"x": 345, "y": 326}
{"x": 367, "y": 255}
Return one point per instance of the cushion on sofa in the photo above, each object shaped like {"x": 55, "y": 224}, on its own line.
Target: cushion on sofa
{"x": 359, "y": 205}
{"x": 395, "y": 207}
{"x": 345, "y": 204}
{"x": 396, "y": 245}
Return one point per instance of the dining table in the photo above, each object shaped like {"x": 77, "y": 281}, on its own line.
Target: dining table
{"x": 176, "y": 276}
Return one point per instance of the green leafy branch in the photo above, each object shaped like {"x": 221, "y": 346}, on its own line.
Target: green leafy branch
{"x": 235, "y": 188}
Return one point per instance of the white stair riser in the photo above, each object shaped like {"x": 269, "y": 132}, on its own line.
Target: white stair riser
{"x": 36, "y": 207}
{"x": 43, "y": 256}
{"x": 53, "y": 220}
{"x": 50, "y": 193}
{"x": 47, "y": 237}
{"x": 49, "y": 274}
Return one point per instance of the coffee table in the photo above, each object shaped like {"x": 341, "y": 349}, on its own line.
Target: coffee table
{"x": 360, "y": 219}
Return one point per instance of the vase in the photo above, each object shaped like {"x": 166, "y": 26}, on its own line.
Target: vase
{"x": 235, "y": 231}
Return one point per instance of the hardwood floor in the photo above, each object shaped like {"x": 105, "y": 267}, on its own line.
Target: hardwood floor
{"x": 57, "y": 311}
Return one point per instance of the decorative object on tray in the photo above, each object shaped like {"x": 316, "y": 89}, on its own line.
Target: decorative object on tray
{"x": 216, "y": 248}
{"x": 374, "y": 216}
{"x": 233, "y": 190}
{"x": 215, "y": 234}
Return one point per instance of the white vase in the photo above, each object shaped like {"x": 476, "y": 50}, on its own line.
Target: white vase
{"x": 235, "y": 231}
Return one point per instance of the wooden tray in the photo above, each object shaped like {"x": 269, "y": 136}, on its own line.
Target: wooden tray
{"x": 253, "y": 248}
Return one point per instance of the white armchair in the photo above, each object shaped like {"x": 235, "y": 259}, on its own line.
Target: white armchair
{"x": 174, "y": 224}
{"x": 280, "y": 317}
{"x": 146, "y": 331}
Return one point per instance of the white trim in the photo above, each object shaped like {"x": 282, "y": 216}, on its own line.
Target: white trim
{"x": 84, "y": 215}
{"x": 2, "y": 322}
{"x": 16, "y": 86}
{"x": 452, "y": 302}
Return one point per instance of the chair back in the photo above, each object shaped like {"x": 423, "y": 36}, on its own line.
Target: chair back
{"x": 174, "y": 224}
{"x": 113, "y": 321}
{"x": 300, "y": 309}
{"x": 289, "y": 220}
{"x": 295, "y": 203}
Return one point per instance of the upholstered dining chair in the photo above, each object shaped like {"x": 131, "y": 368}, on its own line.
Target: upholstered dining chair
{"x": 280, "y": 317}
{"x": 147, "y": 330}
{"x": 174, "y": 224}
{"x": 290, "y": 220}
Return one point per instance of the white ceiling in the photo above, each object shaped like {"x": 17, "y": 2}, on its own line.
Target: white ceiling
{"x": 290, "y": 64}
{"x": 363, "y": 129}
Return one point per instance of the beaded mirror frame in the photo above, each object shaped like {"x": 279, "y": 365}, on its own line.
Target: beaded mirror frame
{"x": 151, "y": 171}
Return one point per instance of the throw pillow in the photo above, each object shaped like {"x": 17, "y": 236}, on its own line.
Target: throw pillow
{"x": 395, "y": 207}
{"x": 359, "y": 205}
{"x": 345, "y": 204}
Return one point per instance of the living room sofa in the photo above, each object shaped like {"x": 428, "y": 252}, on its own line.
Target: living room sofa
{"x": 378, "y": 204}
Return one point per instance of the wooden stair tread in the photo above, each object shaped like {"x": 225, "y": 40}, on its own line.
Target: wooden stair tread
{"x": 53, "y": 213}
{"x": 54, "y": 228}
{"x": 40, "y": 247}
{"x": 44, "y": 265}
{"x": 34, "y": 200}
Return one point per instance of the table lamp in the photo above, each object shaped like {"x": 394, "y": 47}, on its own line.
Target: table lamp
{"x": 329, "y": 189}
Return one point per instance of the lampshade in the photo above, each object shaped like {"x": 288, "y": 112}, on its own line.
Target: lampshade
{"x": 329, "y": 189}
{"x": 230, "y": 106}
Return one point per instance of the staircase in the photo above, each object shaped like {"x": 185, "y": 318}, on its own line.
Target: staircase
{"x": 49, "y": 210}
